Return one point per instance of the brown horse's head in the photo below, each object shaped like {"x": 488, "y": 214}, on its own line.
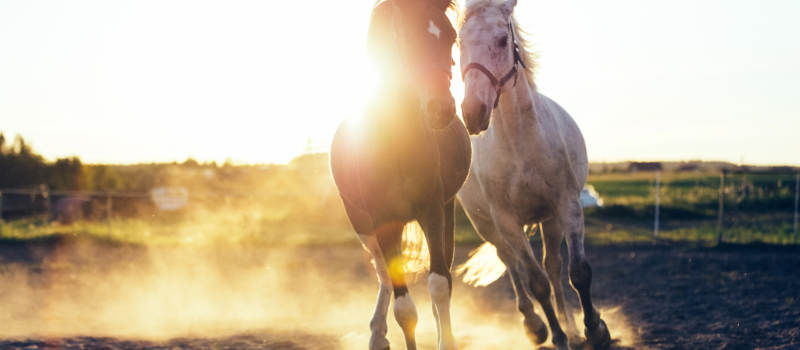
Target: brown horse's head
{"x": 412, "y": 40}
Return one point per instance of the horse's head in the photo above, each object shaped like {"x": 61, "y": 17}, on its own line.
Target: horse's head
{"x": 488, "y": 59}
{"x": 413, "y": 39}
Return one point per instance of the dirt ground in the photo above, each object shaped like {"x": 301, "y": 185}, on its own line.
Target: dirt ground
{"x": 68, "y": 293}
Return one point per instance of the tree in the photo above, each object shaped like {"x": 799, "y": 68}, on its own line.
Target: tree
{"x": 67, "y": 174}
{"x": 19, "y": 165}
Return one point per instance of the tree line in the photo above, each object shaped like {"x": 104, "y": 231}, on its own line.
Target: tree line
{"x": 22, "y": 168}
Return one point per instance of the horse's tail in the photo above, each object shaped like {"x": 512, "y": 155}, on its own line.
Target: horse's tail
{"x": 416, "y": 257}
{"x": 483, "y": 266}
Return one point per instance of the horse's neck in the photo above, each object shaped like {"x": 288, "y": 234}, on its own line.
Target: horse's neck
{"x": 397, "y": 122}
{"x": 516, "y": 123}
{"x": 397, "y": 107}
{"x": 528, "y": 129}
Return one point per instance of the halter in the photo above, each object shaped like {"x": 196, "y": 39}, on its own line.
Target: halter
{"x": 498, "y": 85}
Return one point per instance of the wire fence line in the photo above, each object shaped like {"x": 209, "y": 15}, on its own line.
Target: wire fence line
{"x": 57, "y": 203}
{"x": 736, "y": 201}
{"x": 46, "y": 193}
{"x": 734, "y": 204}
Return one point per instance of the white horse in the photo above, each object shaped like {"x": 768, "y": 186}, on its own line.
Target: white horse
{"x": 528, "y": 167}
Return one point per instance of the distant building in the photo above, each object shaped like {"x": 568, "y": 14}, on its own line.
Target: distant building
{"x": 688, "y": 167}
{"x": 636, "y": 167}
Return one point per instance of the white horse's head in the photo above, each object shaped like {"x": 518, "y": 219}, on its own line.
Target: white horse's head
{"x": 486, "y": 42}
{"x": 419, "y": 48}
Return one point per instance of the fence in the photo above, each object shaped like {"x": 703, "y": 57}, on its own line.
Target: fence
{"x": 222, "y": 210}
{"x": 731, "y": 205}
{"x": 728, "y": 206}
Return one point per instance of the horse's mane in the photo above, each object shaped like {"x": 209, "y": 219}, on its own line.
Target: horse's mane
{"x": 526, "y": 51}
{"x": 380, "y": 40}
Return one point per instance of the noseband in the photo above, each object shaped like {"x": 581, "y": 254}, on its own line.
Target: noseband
{"x": 498, "y": 84}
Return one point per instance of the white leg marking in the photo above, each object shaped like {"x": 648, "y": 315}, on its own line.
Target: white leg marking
{"x": 405, "y": 312}
{"x": 440, "y": 295}
{"x": 378, "y": 325}
{"x": 433, "y": 29}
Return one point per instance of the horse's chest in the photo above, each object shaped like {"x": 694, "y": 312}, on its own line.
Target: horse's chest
{"x": 523, "y": 191}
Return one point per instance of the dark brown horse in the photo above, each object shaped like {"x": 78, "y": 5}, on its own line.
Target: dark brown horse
{"x": 406, "y": 159}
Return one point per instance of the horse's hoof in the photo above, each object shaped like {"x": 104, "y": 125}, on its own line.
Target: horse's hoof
{"x": 600, "y": 338}
{"x": 379, "y": 343}
{"x": 386, "y": 348}
{"x": 537, "y": 336}
{"x": 576, "y": 342}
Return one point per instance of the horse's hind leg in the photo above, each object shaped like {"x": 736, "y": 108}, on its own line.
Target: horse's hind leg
{"x": 553, "y": 264}
{"x": 580, "y": 276}
{"x": 535, "y": 328}
{"x": 390, "y": 236}
{"x": 362, "y": 224}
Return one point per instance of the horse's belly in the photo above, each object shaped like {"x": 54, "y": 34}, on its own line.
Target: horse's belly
{"x": 366, "y": 181}
{"x": 533, "y": 210}
{"x": 532, "y": 196}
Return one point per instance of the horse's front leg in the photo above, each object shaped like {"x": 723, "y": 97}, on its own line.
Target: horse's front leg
{"x": 538, "y": 281}
{"x": 362, "y": 224}
{"x": 440, "y": 283}
{"x": 449, "y": 249}
{"x": 535, "y": 329}
{"x": 377, "y": 325}
{"x": 390, "y": 237}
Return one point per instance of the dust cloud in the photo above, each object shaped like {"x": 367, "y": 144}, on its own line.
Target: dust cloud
{"x": 79, "y": 287}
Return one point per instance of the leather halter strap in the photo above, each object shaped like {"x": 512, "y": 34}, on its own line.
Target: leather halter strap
{"x": 498, "y": 84}
{"x": 432, "y": 66}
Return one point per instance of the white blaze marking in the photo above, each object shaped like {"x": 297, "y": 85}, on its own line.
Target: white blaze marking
{"x": 433, "y": 29}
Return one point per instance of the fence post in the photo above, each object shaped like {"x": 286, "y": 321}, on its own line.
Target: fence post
{"x": 108, "y": 212}
{"x": 658, "y": 193}
{"x": 48, "y": 204}
{"x": 721, "y": 204}
{"x": 796, "y": 200}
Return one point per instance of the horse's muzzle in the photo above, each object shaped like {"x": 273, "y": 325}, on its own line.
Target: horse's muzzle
{"x": 476, "y": 117}
{"x": 439, "y": 112}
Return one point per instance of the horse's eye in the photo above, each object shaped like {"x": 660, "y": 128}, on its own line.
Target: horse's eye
{"x": 503, "y": 41}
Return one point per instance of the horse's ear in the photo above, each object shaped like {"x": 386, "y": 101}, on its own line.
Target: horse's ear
{"x": 508, "y": 7}
{"x": 379, "y": 36}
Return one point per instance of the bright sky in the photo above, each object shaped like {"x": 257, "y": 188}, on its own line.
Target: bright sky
{"x": 252, "y": 81}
